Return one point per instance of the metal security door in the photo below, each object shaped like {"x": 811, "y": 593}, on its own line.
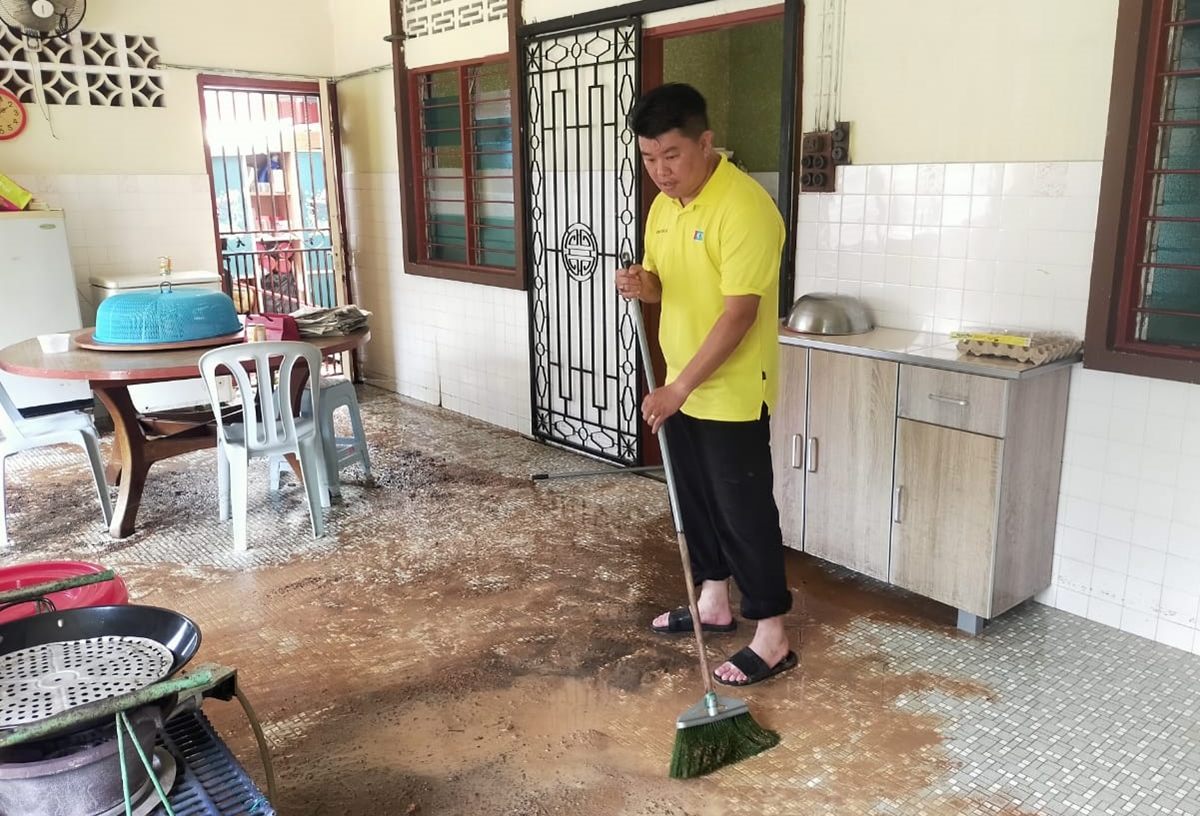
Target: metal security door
{"x": 581, "y": 209}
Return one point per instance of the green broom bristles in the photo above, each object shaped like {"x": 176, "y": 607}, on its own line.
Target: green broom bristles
{"x": 702, "y": 749}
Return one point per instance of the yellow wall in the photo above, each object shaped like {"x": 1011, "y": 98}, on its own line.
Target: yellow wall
{"x": 969, "y": 80}
{"x": 279, "y": 36}
{"x": 367, "y": 116}
{"x": 1011, "y": 81}
{"x": 359, "y": 27}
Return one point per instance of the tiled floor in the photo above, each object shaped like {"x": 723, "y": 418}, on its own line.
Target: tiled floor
{"x": 466, "y": 641}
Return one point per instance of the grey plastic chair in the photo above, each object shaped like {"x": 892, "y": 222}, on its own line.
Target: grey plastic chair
{"x": 269, "y": 427}
{"x": 68, "y": 427}
{"x": 339, "y": 451}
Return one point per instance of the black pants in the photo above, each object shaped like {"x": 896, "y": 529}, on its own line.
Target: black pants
{"x": 724, "y": 481}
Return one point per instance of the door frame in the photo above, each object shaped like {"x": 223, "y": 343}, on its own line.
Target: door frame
{"x": 791, "y": 109}
{"x": 331, "y": 160}
{"x": 790, "y": 12}
{"x": 790, "y": 116}
{"x": 650, "y": 56}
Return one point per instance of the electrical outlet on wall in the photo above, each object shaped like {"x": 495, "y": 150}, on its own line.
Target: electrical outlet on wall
{"x": 840, "y": 135}
{"x": 816, "y": 162}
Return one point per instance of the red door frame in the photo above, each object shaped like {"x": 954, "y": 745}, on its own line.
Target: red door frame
{"x": 652, "y": 77}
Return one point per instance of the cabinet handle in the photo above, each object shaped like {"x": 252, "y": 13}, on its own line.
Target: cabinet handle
{"x": 961, "y": 403}
{"x": 811, "y": 457}
{"x": 896, "y": 504}
{"x": 797, "y": 441}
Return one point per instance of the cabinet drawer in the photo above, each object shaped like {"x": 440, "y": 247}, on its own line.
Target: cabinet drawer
{"x": 968, "y": 402}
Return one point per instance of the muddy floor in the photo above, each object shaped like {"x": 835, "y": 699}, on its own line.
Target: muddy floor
{"x": 465, "y": 640}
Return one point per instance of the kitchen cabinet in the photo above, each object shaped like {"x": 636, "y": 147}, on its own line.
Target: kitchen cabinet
{"x": 833, "y": 456}
{"x": 848, "y": 460}
{"x": 978, "y": 464}
{"x": 934, "y": 473}
{"x": 788, "y": 435}
{"x": 943, "y": 514}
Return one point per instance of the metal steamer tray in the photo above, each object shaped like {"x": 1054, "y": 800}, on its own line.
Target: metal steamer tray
{"x": 56, "y": 661}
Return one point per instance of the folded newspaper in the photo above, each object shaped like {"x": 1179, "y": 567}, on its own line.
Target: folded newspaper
{"x": 313, "y": 321}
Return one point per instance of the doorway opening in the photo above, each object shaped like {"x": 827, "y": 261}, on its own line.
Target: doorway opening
{"x": 267, "y": 154}
{"x": 586, "y": 196}
{"x": 737, "y": 62}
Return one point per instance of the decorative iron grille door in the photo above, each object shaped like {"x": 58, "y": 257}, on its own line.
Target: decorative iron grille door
{"x": 581, "y": 209}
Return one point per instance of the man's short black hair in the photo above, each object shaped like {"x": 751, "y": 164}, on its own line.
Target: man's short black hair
{"x": 668, "y": 107}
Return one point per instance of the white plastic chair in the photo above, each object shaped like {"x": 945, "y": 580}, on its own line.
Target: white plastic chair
{"x": 339, "y": 451}
{"x": 269, "y": 425}
{"x": 68, "y": 427}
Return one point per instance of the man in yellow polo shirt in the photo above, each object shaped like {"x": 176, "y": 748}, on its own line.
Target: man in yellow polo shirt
{"x": 713, "y": 244}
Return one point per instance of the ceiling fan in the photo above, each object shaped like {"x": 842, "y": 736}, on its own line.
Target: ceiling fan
{"x": 41, "y": 20}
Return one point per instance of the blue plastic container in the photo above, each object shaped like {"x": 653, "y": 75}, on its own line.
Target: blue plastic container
{"x": 134, "y": 318}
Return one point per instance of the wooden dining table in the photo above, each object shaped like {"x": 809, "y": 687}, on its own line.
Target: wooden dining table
{"x": 140, "y": 440}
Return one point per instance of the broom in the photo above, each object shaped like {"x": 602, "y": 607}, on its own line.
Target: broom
{"x": 717, "y": 731}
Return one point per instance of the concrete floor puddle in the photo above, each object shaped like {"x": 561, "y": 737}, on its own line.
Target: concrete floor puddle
{"x": 467, "y": 641}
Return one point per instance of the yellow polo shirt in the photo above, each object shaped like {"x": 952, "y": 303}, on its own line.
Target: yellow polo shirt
{"x": 728, "y": 241}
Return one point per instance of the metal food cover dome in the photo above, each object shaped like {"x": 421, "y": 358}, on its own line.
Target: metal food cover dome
{"x": 165, "y": 317}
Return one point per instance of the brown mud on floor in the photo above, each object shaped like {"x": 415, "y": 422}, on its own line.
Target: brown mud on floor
{"x": 466, "y": 641}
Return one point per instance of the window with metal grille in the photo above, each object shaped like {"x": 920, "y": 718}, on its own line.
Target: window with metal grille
{"x": 463, "y": 167}
{"x": 1144, "y": 311}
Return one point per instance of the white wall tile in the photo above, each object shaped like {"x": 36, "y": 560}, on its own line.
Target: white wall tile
{"x": 1150, "y": 532}
{"x": 1075, "y": 574}
{"x": 1089, "y": 418}
{"x": 1077, "y": 544}
{"x": 904, "y": 179}
{"x": 1115, "y": 523}
{"x": 853, "y": 179}
{"x": 1174, "y": 634}
{"x": 902, "y": 210}
{"x": 958, "y": 179}
{"x": 879, "y": 179}
{"x": 462, "y": 346}
{"x": 1147, "y": 563}
{"x": 1180, "y": 605}
{"x": 1182, "y": 572}
{"x": 1102, "y": 611}
{"x": 1070, "y": 601}
{"x": 1113, "y": 553}
{"x": 931, "y": 179}
{"x": 1137, "y": 622}
{"x": 853, "y": 208}
{"x": 1024, "y": 233}
{"x": 956, "y": 211}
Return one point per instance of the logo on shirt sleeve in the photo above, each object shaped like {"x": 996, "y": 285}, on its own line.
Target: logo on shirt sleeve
{"x": 698, "y": 235}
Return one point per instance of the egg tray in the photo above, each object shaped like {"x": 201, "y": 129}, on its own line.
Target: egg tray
{"x": 1045, "y": 348}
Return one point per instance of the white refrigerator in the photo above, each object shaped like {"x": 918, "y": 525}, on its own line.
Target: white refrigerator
{"x": 37, "y": 296}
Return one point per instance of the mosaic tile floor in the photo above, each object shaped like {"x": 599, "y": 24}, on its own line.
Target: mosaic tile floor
{"x": 466, "y": 641}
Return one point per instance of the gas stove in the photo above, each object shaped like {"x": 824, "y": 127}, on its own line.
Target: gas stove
{"x": 63, "y": 771}
{"x": 97, "y": 720}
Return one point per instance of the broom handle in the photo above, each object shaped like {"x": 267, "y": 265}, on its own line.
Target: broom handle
{"x": 693, "y": 607}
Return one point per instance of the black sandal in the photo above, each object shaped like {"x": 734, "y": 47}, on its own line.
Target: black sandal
{"x": 755, "y": 668}
{"x": 679, "y": 621}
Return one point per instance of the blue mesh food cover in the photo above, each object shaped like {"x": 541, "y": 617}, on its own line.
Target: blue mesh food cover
{"x": 165, "y": 317}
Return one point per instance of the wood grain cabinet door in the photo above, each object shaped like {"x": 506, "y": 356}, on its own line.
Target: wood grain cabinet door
{"x": 848, "y": 460}
{"x": 944, "y": 514}
{"x": 787, "y": 443}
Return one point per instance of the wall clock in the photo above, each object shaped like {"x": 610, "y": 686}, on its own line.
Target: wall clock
{"x": 12, "y": 115}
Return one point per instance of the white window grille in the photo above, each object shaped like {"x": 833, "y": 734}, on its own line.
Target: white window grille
{"x": 87, "y": 68}
{"x": 425, "y": 17}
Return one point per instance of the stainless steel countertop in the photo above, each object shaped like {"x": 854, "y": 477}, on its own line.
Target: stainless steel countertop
{"x": 923, "y": 349}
